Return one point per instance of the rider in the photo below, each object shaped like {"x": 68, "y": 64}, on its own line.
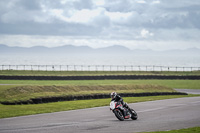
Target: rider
{"x": 117, "y": 98}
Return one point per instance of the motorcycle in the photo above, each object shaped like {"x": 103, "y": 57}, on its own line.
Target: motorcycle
{"x": 122, "y": 112}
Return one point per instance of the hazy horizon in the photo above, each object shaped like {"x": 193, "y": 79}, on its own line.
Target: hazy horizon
{"x": 115, "y": 49}
{"x": 118, "y": 55}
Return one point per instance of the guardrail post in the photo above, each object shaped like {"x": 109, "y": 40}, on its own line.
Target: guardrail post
{"x": 96, "y": 68}
{"x": 81, "y": 67}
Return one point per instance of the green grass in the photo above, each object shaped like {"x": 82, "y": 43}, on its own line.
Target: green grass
{"x": 25, "y": 90}
{"x": 21, "y": 110}
{"x": 82, "y": 73}
{"x": 25, "y": 93}
{"x": 181, "y": 84}
{"x": 188, "y": 130}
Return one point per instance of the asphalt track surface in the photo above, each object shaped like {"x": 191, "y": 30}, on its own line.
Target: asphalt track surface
{"x": 157, "y": 115}
{"x": 189, "y": 91}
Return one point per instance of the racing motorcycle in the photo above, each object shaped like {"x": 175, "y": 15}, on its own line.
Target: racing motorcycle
{"x": 122, "y": 112}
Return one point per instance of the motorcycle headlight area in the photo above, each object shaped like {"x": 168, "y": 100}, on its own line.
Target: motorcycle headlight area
{"x": 112, "y": 105}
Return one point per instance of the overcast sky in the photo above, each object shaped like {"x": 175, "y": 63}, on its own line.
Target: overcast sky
{"x": 136, "y": 24}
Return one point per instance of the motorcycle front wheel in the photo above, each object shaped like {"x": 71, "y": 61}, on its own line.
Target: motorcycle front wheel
{"x": 134, "y": 115}
{"x": 119, "y": 115}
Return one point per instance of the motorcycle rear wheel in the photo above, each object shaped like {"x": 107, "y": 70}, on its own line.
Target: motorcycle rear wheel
{"x": 119, "y": 115}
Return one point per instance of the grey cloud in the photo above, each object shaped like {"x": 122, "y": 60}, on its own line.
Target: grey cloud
{"x": 178, "y": 13}
{"x": 194, "y": 19}
{"x": 191, "y": 20}
{"x": 15, "y": 11}
{"x": 56, "y": 29}
{"x": 14, "y": 5}
{"x": 118, "y": 5}
{"x": 83, "y": 4}
{"x": 20, "y": 17}
{"x": 178, "y": 4}
{"x": 28, "y": 4}
{"x": 68, "y": 5}
{"x": 102, "y": 21}
{"x": 162, "y": 16}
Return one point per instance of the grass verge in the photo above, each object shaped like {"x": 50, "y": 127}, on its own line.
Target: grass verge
{"x": 25, "y": 93}
{"x": 92, "y": 73}
{"x": 21, "y": 110}
{"x": 181, "y": 84}
{"x": 188, "y": 130}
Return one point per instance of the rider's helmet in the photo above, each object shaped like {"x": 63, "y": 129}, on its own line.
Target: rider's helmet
{"x": 113, "y": 95}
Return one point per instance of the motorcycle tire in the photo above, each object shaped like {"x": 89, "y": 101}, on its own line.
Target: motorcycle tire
{"x": 134, "y": 115}
{"x": 119, "y": 115}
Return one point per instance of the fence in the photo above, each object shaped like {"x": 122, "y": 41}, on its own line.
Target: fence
{"x": 96, "y": 68}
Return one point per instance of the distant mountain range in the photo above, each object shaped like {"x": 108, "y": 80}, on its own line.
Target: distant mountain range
{"x": 70, "y": 49}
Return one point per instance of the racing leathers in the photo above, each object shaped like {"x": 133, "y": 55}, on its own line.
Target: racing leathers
{"x": 119, "y": 99}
